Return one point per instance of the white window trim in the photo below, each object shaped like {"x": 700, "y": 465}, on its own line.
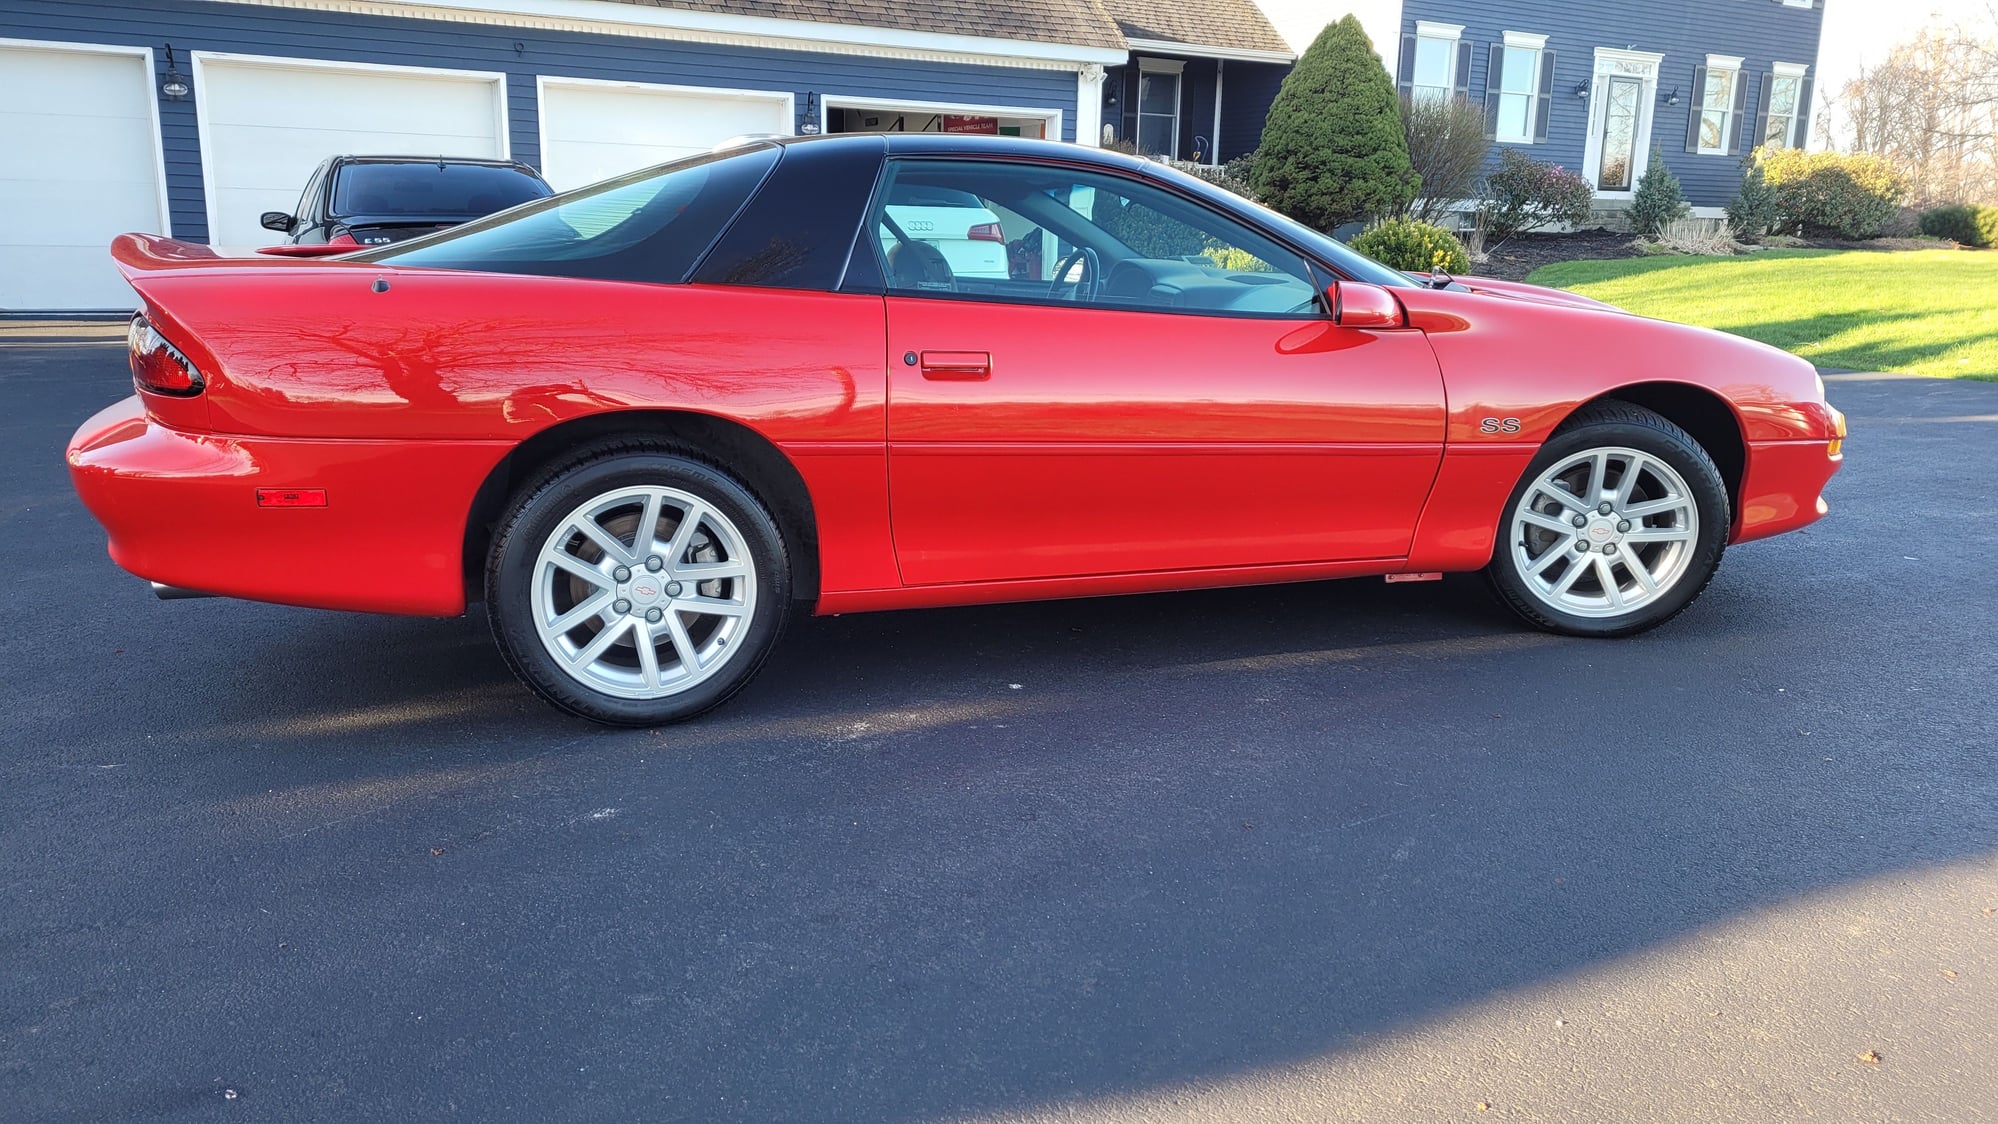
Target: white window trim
{"x": 198, "y": 61}
{"x": 1538, "y": 45}
{"x": 1801, "y": 112}
{"x": 152, "y": 105}
{"x": 542, "y": 82}
{"x": 830, "y": 102}
{"x": 1799, "y": 3}
{"x": 1592, "y": 153}
{"x": 1731, "y": 64}
{"x": 1451, "y": 33}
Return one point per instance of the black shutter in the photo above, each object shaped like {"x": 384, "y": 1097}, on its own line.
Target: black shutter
{"x": 1406, "y": 71}
{"x": 1494, "y": 73}
{"x": 1800, "y": 129}
{"x": 1546, "y": 105}
{"x": 1732, "y": 142}
{"x": 1762, "y": 109}
{"x": 1464, "y": 49}
{"x": 1698, "y": 104}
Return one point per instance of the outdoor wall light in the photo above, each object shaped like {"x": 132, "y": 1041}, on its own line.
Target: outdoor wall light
{"x": 1581, "y": 89}
{"x": 175, "y": 85}
{"x": 810, "y": 126}
{"x": 1673, "y": 97}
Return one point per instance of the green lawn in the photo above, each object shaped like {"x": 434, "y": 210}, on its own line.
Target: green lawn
{"x": 1926, "y": 312}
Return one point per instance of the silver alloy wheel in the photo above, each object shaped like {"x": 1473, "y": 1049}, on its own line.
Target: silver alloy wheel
{"x": 643, "y": 592}
{"x": 1604, "y": 532}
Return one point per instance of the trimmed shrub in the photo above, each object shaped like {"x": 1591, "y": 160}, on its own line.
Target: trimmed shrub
{"x": 1752, "y": 212}
{"x": 1447, "y": 147}
{"x": 1417, "y": 247}
{"x": 1522, "y": 194}
{"x": 1957, "y": 223}
{"x": 1848, "y": 194}
{"x": 1658, "y": 202}
{"x": 1332, "y": 149}
{"x": 1987, "y": 226}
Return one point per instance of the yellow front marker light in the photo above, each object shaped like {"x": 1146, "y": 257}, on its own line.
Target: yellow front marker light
{"x": 1837, "y": 443}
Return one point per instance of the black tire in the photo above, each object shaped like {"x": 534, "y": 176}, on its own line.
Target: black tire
{"x": 1618, "y": 425}
{"x": 544, "y": 504}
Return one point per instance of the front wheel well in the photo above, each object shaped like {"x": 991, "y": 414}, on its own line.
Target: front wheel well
{"x": 1704, "y": 415}
{"x": 727, "y": 445}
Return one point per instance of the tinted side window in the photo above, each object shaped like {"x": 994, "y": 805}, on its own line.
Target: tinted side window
{"x": 648, "y": 226}
{"x": 1025, "y": 232}
{"x": 798, "y": 230}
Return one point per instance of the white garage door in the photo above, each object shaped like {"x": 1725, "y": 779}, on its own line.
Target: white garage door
{"x": 592, "y": 131}
{"x": 267, "y": 123}
{"x": 79, "y": 164}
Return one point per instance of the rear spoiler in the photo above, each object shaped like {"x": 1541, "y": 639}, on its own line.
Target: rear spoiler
{"x": 140, "y": 254}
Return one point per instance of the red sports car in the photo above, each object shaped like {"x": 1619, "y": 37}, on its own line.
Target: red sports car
{"x": 647, "y": 419}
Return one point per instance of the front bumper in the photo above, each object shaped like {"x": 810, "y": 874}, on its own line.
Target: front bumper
{"x": 1783, "y": 486}
{"x": 181, "y": 510}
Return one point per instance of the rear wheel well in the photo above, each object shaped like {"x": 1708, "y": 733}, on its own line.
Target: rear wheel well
{"x": 729, "y": 446}
{"x": 1704, "y": 415}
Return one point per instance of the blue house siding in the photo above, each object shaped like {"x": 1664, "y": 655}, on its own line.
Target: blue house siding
{"x": 1761, "y": 32}
{"x": 1247, "y": 89}
{"x": 519, "y": 53}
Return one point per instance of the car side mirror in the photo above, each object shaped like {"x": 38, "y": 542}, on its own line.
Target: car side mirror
{"x": 1356, "y": 304}
{"x": 277, "y": 220}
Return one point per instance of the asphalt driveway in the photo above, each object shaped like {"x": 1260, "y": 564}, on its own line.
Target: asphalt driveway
{"x": 1326, "y": 851}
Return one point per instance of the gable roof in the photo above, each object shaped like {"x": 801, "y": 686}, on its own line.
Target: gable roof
{"x": 1072, "y": 22}
{"x": 1229, "y": 25}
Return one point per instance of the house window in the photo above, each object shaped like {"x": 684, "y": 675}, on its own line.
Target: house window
{"x": 1158, "y": 107}
{"x": 1518, "y": 86}
{"x": 1717, "y": 99}
{"x": 1786, "y": 96}
{"x": 1435, "y": 73}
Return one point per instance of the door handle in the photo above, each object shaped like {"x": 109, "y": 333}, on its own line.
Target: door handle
{"x": 957, "y": 365}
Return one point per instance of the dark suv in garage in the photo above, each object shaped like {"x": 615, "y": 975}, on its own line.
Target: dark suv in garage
{"x": 355, "y": 201}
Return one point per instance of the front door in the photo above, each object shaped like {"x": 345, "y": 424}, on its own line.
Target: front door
{"x": 1623, "y": 97}
{"x": 1153, "y": 386}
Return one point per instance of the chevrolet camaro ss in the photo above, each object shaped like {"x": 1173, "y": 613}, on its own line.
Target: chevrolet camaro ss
{"x": 648, "y": 420}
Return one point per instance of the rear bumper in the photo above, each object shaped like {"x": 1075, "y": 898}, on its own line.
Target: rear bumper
{"x": 1783, "y": 487}
{"x": 180, "y": 509}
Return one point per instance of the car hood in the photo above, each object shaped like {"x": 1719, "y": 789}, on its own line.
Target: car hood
{"x": 1520, "y": 290}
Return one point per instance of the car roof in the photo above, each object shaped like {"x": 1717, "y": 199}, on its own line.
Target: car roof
{"x": 478, "y": 160}
{"x": 975, "y": 144}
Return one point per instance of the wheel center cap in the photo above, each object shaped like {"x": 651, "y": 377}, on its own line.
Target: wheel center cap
{"x": 646, "y": 589}
{"x": 1602, "y": 531}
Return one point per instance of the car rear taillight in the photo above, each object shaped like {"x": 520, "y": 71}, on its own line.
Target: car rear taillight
{"x": 159, "y": 366}
{"x": 987, "y": 232}
{"x": 342, "y": 239}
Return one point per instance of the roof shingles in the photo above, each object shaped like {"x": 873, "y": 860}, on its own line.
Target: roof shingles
{"x": 1079, "y": 23}
{"x": 1227, "y": 24}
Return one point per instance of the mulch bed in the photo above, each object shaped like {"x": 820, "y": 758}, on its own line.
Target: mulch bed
{"x": 1524, "y": 253}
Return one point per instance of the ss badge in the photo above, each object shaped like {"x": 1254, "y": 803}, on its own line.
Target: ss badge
{"x": 1499, "y": 425}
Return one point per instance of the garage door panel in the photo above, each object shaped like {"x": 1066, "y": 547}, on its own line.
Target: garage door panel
{"x": 79, "y": 165}
{"x": 76, "y": 212}
{"x": 267, "y": 126}
{"x": 591, "y": 133}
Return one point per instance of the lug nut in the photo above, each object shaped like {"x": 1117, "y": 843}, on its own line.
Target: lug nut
{"x": 654, "y": 616}
{"x": 1622, "y": 526}
{"x": 1609, "y": 548}
{"x": 1581, "y": 544}
{"x": 673, "y": 589}
{"x": 655, "y": 563}
{"x": 1580, "y": 520}
{"x": 622, "y": 573}
{"x": 1603, "y": 508}
{"x": 620, "y": 606}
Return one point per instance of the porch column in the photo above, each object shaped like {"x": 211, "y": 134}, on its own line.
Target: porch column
{"x": 1089, "y": 105}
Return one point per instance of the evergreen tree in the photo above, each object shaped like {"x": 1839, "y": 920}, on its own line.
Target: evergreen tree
{"x": 1333, "y": 150}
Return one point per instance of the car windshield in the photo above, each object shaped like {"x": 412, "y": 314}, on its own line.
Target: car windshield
{"x": 651, "y": 225}
{"x": 433, "y": 189}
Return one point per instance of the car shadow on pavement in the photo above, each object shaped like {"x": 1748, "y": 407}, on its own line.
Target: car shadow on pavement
{"x": 944, "y": 863}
